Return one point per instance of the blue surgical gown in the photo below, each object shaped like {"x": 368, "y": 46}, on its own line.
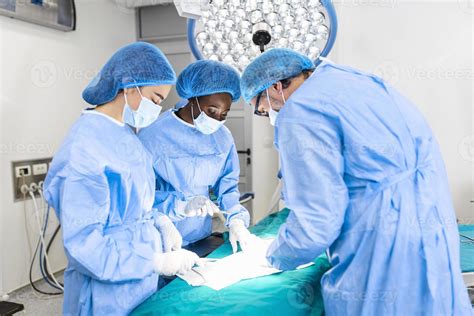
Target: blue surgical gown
{"x": 365, "y": 178}
{"x": 101, "y": 186}
{"x": 188, "y": 163}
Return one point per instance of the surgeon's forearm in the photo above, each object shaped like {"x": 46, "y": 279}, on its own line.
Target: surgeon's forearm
{"x": 296, "y": 244}
{"x": 285, "y": 255}
{"x": 108, "y": 260}
{"x": 170, "y": 204}
{"x": 237, "y": 212}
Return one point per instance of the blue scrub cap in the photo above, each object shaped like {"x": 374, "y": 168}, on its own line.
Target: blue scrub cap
{"x": 135, "y": 65}
{"x": 181, "y": 104}
{"x": 206, "y": 77}
{"x": 269, "y": 68}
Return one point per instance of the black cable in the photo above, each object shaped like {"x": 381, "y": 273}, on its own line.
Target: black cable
{"x": 467, "y": 237}
{"x": 31, "y": 272}
{"x": 51, "y": 281}
{"x": 33, "y": 261}
{"x": 48, "y": 274}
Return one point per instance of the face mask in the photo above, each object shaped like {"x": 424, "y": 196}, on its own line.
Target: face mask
{"x": 146, "y": 113}
{"x": 205, "y": 124}
{"x": 272, "y": 114}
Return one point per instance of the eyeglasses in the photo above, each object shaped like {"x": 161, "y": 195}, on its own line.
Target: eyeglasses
{"x": 257, "y": 104}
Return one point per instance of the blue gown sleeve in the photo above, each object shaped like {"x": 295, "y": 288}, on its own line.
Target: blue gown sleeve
{"x": 313, "y": 168}
{"x": 169, "y": 201}
{"x": 84, "y": 202}
{"x": 227, "y": 189}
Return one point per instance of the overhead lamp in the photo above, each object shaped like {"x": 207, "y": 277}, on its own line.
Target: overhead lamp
{"x": 237, "y": 31}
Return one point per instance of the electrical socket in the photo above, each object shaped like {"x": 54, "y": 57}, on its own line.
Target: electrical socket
{"x": 23, "y": 171}
{"x": 28, "y": 172}
{"x": 39, "y": 169}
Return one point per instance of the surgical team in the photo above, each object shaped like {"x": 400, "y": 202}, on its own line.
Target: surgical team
{"x": 131, "y": 187}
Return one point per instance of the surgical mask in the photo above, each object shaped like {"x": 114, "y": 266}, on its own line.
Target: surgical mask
{"x": 146, "y": 113}
{"x": 272, "y": 114}
{"x": 205, "y": 124}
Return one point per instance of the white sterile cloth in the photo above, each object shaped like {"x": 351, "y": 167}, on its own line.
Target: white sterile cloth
{"x": 220, "y": 273}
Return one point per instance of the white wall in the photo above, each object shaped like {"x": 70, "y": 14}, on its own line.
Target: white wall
{"x": 43, "y": 73}
{"x": 423, "y": 48}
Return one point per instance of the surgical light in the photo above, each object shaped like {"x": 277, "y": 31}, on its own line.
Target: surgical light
{"x": 237, "y": 31}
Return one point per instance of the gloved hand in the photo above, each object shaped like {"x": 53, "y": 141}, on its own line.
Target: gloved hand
{"x": 239, "y": 233}
{"x": 200, "y": 206}
{"x": 170, "y": 236}
{"x": 175, "y": 262}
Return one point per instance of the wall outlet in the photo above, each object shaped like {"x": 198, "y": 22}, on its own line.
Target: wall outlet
{"x": 39, "y": 169}
{"x": 28, "y": 172}
{"x": 23, "y": 171}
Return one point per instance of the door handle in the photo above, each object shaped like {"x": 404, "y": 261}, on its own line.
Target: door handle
{"x": 247, "y": 152}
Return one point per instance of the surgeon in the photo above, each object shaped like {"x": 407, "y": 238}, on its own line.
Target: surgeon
{"x": 365, "y": 178}
{"x": 101, "y": 185}
{"x": 194, "y": 153}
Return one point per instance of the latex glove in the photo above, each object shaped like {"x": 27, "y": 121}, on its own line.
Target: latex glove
{"x": 175, "y": 262}
{"x": 200, "y": 206}
{"x": 170, "y": 236}
{"x": 239, "y": 233}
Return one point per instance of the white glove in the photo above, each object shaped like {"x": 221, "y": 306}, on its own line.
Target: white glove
{"x": 239, "y": 233}
{"x": 200, "y": 206}
{"x": 175, "y": 262}
{"x": 170, "y": 236}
